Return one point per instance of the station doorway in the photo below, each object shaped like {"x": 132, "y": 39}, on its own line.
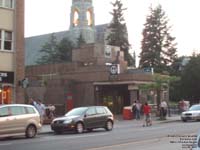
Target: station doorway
{"x": 115, "y": 97}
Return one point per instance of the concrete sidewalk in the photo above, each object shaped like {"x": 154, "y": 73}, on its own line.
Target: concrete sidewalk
{"x": 155, "y": 119}
{"x": 46, "y": 129}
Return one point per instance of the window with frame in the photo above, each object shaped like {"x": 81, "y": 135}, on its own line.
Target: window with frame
{"x": 4, "y": 112}
{"x": 1, "y": 3}
{"x": 100, "y": 110}
{"x": 91, "y": 111}
{"x": 7, "y": 40}
{"x": 7, "y": 3}
{"x": 30, "y": 110}
{"x": 17, "y": 110}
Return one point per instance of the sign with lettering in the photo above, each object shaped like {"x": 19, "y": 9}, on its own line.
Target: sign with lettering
{"x": 6, "y": 77}
{"x": 114, "y": 69}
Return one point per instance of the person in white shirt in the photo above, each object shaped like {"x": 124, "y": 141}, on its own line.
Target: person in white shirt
{"x": 163, "y": 109}
{"x": 41, "y": 109}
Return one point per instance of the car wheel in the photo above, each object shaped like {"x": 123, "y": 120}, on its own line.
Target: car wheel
{"x": 79, "y": 127}
{"x": 31, "y": 131}
{"x": 109, "y": 125}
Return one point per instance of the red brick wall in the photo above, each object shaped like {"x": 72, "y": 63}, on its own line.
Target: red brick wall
{"x": 19, "y": 49}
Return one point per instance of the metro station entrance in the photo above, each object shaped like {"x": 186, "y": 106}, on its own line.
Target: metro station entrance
{"x": 115, "y": 97}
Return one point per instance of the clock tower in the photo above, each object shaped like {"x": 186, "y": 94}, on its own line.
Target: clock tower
{"x": 82, "y": 20}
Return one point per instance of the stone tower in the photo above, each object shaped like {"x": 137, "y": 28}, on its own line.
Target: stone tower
{"x": 82, "y": 20}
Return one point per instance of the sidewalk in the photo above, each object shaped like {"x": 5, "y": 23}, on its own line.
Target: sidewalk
{"x": 46, "y": 129}
{"x": 154, "y": 119}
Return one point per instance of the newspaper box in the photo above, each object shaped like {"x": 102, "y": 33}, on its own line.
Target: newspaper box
{"x": 127, "y": 113}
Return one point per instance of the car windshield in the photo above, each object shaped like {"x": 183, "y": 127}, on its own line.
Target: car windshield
{"x": 76, "y": 111}
{"x": 195, "y": 107}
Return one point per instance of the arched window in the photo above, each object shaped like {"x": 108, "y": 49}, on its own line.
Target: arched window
{"x": 76, "y": 18}
{"x": 89, "y": 17}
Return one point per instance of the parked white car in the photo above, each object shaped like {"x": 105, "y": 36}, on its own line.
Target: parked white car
{"x": 192, "y": 114}
{"x": 19, "y": 119}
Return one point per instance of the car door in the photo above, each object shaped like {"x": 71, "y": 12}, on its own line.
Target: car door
{"x": 101, "y": 116}
{"x": 19, "y": 118}
{"x": 5, "y": 121}
{"x": 90, "y": 118}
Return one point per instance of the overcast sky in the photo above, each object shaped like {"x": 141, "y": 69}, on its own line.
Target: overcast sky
{"x": 48, "y": 16}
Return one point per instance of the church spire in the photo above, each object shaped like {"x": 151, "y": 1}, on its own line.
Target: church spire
{"x": 82, "y": 20}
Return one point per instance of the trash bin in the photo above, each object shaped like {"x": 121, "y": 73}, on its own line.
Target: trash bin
{"x": 127, "y": 113}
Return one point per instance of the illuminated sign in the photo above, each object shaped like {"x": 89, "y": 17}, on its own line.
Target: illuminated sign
{"x": 6, "y": 77}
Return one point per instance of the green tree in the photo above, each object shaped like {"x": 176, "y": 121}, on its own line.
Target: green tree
{"x": 161, "y": 82}
{"x": 48, "y": 51}
{"x": 158, "y": 46}
{"x": 64, "y": 52}
{"x": 190, "y": 80}
{"x": 56, "y": 52}
{"x": 118, "y": 35}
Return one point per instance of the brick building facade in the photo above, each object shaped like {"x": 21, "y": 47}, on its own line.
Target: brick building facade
{"x": 87, "y": 80}
{"x": 11, "y": 51}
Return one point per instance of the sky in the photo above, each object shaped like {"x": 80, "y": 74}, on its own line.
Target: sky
{"x": 48, "y": 16}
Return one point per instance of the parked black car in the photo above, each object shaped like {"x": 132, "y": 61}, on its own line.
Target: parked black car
{"x": 84, "y": 118}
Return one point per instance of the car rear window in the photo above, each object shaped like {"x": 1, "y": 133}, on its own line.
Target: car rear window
{"x": 17, "y": 110}
{"x": 4, "y": 112}
{"x": 30, "y": 110}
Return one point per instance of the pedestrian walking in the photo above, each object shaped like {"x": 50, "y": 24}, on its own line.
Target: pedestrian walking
{"x": 147, "y": 115}
{"x": 163, "y": 110}
{"x": 137, "y": 110}
{"x": 134, "y": 109}
{"x": 41, "y": 109}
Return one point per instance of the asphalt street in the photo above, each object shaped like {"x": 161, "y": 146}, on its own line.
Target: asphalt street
{"x": 126, "y": 135}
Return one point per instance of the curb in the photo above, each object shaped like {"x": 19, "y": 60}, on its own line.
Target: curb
{"x": 48, "y": 132}
{"x": 169, "y": 121}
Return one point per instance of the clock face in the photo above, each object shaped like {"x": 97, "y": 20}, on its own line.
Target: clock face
{"x": 113, "y": 69}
